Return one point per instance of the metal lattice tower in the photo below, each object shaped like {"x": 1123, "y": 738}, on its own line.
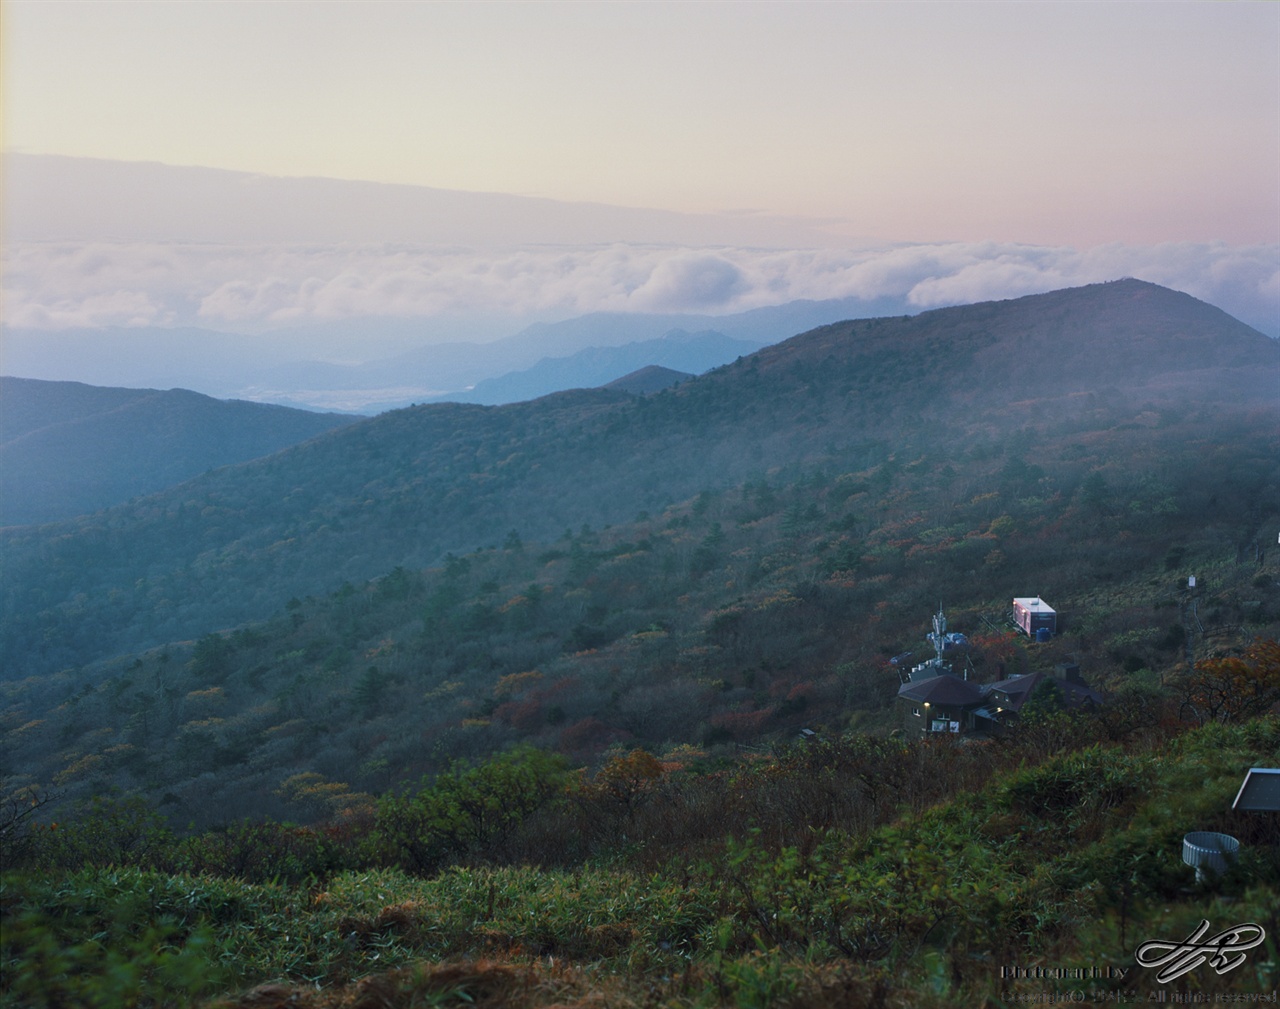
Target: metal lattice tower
{"x": 939, "y": 635}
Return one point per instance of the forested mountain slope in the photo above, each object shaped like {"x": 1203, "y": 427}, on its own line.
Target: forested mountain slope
{"x": 407, "y": 487}
{"x": 67, "y": 449}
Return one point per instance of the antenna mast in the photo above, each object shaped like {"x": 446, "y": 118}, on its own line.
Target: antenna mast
{"x": 938, "y": 637}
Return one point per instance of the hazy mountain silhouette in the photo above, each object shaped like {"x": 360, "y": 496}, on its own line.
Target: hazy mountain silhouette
{"x": 649, "y": 379}
{"x": 690, "y": 353}
{"x": 273, "y": 368}
{"x": 410, "y": 485}
{"x": 68, "y": 448}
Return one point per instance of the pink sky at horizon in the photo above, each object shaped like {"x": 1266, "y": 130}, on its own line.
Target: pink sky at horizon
{"x": 932, "y": 152}
{"x": 1048, "y": 123}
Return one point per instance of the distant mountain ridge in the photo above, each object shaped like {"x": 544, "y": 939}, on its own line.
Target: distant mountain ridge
{"x": 411, "y": 485}
{"x": 272, "y": 368}
{"x": 67, "y": 449}
{"x": 678, "y": 350}
{"x": 443, "y": 372}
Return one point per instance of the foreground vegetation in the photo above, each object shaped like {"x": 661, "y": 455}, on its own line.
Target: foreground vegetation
{"x": 863, "y": 873}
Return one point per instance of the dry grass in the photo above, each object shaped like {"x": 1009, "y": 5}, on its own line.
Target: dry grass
{"x": 548, "y": 984}
{"x": 485, "y": 984}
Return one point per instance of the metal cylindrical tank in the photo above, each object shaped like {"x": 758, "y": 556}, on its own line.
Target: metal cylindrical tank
{"x": 1209, "y": 853}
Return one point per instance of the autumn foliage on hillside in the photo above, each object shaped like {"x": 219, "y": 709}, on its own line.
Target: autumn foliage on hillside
{"x": 1232, "y": 687}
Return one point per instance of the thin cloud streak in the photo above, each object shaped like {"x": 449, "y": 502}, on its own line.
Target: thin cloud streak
{"x": 259, "y": 288}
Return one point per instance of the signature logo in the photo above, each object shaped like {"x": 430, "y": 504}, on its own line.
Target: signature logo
{"x": 1224, "y": 951}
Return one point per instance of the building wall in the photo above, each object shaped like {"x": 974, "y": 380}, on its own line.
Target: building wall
{"x": 922, "y": 724}
{"x": 1031, "y": 621}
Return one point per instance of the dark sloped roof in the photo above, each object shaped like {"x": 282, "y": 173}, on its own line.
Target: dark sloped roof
{"x": 1020, "y": 688}
{"x": 946, "y": 688}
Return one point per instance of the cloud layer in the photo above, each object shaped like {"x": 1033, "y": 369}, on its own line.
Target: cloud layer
{"x": 257, "y": 288}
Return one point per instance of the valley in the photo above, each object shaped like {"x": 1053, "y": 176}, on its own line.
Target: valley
{"x": 625, "y": 659}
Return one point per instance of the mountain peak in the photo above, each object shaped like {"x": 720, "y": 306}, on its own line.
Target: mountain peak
{"x": 649, "y": 379}
{"x": 1125, "y": 333}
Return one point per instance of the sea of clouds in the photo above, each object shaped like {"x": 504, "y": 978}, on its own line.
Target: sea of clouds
{"x": 260, "y": 287}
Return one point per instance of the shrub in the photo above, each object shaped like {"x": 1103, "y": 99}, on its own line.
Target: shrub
{"x": 103, "y": 940}
{"x": 466, "y": 808}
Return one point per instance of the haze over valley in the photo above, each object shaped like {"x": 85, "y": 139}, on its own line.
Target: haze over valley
{"x": 361, "y": 297}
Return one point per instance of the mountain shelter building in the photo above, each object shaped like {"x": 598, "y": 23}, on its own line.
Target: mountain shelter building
{"x": 934, "y": 699}
{"x": 1032, "y": 614}
{"x": 947, "y": 703}
{"x": 942, "y": 703}
{"x": 1004, "y": 700}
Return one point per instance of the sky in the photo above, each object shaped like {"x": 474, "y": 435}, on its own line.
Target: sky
{"x": 940, "y": 152}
